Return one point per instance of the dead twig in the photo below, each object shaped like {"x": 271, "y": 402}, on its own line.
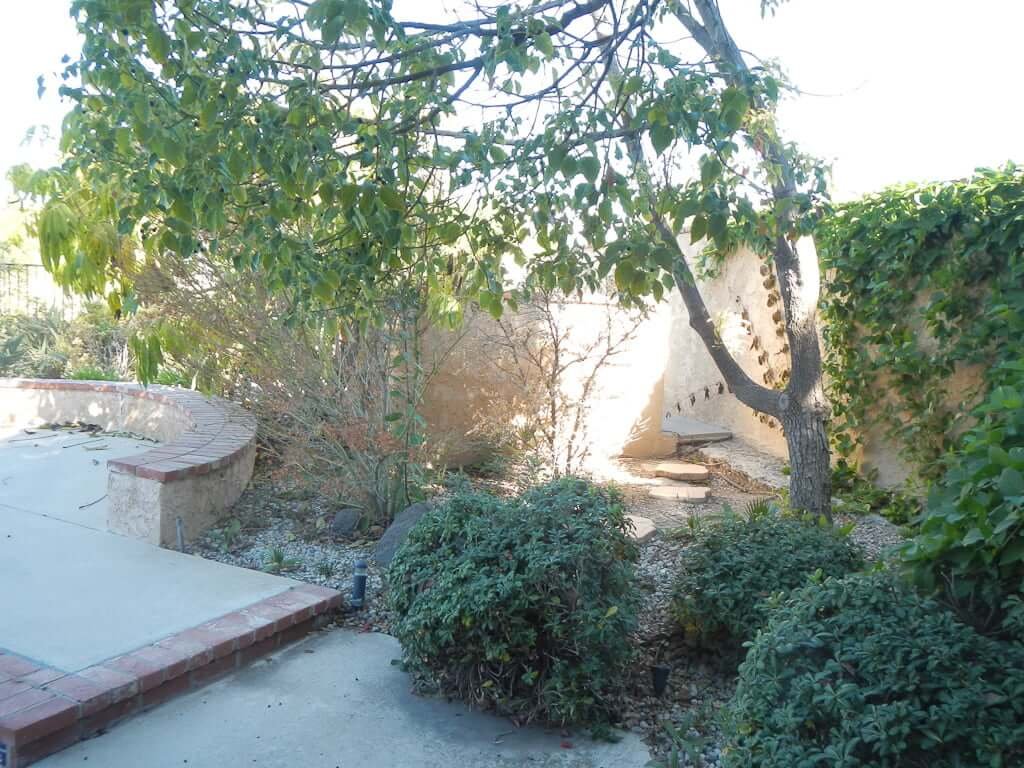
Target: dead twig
{"x": 30, "y": 439}
{"x": 82, "y": 442}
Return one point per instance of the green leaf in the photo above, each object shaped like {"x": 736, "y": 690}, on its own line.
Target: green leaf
{"x": 174, "y": 152}
{"x": 123, "y": 139}
{"x": 1011, "y": 482}
{"x": 717, "y": 225}
{"x": 710, "y": 170}
{"x": 159, "y": 44}
{"x": 391, "y": 198}
{"x": 347, "y": 195}
{"x": 973, "y": 537}
{"x": 661, "y": 137}
{"x": 1012, "y": 552}
{"x": 590, "y": 167}
{"x": 698, "y": 228}
{"x": 544, "y": 44}
{"x": 623, "y": 276}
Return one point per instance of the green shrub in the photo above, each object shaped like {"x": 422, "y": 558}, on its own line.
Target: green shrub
{"x": 45, "y": 345}
{"x": 735, "y": 565}
{"x": 858, "y": 495}
{"x": 863, "y": 672}
{"x": 31, "y": 345}
{"x": 525, "y": 605}
{"x": 971, "y": 542}
{"x": 92, "y": 373}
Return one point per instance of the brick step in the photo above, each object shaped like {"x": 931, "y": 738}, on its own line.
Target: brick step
{"x": 679, "y": 470}
{"x": 45, "y": 710}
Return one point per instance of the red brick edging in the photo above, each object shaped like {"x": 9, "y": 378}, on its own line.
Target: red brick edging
{"x": 44, "y": 710}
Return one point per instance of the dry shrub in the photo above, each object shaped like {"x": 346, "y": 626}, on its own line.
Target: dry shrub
{"x": 551, "y": 357}
{"x": 337, "y": 400}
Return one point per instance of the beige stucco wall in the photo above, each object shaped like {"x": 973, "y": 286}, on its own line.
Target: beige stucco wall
{"x": 690, "y": 371}
{"x": 149, "y": 509}
{"x": 471, "y": 388}
{"x": 740, "y": 285}
{"x": 110, "y": 411}
{"x": 213, "y": 461}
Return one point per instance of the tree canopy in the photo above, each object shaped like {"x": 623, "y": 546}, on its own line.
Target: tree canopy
{"x": 345, "y": 147}
{"x": 340, "y": 148}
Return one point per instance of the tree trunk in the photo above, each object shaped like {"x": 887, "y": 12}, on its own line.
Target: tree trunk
{"x": 802, "y": 408}
{"x": 810, "y": 479}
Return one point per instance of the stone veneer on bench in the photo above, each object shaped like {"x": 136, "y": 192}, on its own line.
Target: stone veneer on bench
{"x": 201, "y": 467}
{"x": 44, "y": 710}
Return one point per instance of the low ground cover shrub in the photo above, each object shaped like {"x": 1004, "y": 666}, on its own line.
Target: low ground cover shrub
{"x": 859, "y": 495}
{"x": 525, "y": 605}
{"x": 736, "y": 564}
{"x": 93, "y": 373}
{"x": 970, "y": 549}
{"x": 861, "y": 671}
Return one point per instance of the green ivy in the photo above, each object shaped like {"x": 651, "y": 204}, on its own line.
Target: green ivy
{"x": 921, "y": 281}
{"x": 970, "y": 547}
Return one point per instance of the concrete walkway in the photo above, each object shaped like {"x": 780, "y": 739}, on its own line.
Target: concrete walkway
{"x": 334, "y": 700}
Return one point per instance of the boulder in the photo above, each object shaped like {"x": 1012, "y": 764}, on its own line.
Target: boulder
{"x": 643, "y": 528}
{"x": 394, "y": 536}
{"x": 345, "y": 522}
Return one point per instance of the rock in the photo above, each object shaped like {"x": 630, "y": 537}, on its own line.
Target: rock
{"x": 643, "y": 528}
{"x": 678, "y": 470}
{"x": 345, "y": 521}
{"x": 395, "y": 535}
{"x": 681, "y": 492}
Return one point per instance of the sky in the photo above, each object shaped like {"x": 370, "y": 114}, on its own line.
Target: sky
{"x": 893, "y": 90}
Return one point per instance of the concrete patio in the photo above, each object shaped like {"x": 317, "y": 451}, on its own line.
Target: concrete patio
{"x": 92, "y": 618}
{"x": 335, "y": 699}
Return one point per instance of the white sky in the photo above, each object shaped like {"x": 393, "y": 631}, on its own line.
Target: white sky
{"x": 905, "y": 90}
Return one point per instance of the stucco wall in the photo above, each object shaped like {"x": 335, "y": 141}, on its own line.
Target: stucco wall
{"x": 738, "y": 299}
{"x": 472, "y": 389}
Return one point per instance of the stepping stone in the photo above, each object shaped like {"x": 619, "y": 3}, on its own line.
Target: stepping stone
{"x": 681, "y": 492}
{"x": 678, "y": 470}
{"x": 643, "y": 528}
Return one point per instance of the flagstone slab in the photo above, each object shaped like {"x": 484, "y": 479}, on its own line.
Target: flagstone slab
{"x": 681, "y": 492}
{"x": 680, "y": 470}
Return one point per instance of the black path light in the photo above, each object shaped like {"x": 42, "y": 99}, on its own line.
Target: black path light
{"x": 659, "y": 678}
{"x": 358, "y": 585}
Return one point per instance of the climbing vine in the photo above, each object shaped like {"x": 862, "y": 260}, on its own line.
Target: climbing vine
{"x": 923, "y": 281}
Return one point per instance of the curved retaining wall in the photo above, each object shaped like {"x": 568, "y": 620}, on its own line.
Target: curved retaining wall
{"x": 202, "y": 465}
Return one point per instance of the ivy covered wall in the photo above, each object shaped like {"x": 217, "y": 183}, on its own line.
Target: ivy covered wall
{"x": 923, "y": 308}
{"x": 923, "y": 303}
